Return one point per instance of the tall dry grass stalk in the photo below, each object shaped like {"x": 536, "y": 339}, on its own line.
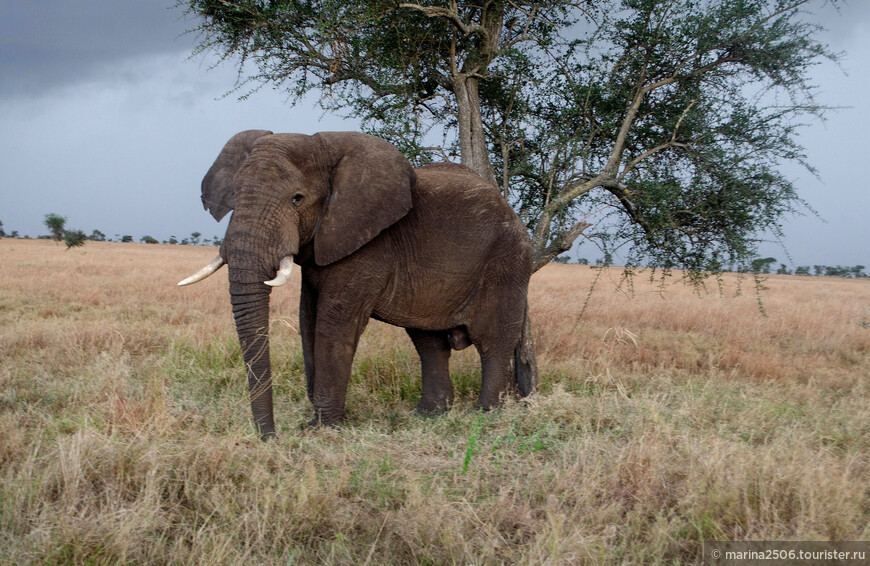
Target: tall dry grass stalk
{"x": 665, "y": 418}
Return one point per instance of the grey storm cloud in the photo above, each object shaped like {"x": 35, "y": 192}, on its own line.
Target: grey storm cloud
{"x": 48, "y": 43}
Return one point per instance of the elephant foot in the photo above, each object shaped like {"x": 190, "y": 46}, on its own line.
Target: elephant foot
{"x": 267, "y": 436}
{"x": 487, "y": 406}
{"x": 430, "y": 409}
{"x": 327, "y": 418}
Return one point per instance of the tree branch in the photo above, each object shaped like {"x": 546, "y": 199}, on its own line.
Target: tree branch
{"x": 451, "y": 14}
{"x": 627, "y": 121}
{"x": 560, "y": 244}
{"x": 440, "y": 150}
{"x": 671, "y": 143}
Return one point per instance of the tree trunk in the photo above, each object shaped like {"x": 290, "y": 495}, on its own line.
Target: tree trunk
{"x": 472, "y": 141}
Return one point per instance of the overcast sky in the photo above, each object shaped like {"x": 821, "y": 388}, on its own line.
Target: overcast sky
{"x": 105, "y": 119}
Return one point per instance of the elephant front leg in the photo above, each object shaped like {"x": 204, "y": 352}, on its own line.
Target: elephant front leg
{"x": 335, "y": 343}
{"x": 434, "y": 351}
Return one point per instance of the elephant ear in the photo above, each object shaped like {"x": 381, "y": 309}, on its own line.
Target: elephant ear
{"x": 370, "y": 190}
{"x": 217, "y": 186}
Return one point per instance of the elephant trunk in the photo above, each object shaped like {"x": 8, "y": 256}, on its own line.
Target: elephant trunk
{"x": 250, "y": 300}
{"x": 256, "y": 239}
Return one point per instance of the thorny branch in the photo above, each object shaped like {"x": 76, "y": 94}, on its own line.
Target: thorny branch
{"x": 670, "y": 143}
{"x": 451, "y": 14}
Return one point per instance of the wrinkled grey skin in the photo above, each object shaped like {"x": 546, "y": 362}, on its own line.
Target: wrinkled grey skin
{"x": 437, "y": 251}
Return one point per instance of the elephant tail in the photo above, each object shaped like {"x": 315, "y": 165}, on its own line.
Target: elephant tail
{"x": 525, "y": 364}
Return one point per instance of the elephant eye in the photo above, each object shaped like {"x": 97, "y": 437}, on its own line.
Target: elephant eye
{"x": 297, "y": 198}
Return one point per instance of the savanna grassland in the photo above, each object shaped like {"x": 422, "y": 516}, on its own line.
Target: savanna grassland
{"x": 665, "y": 417}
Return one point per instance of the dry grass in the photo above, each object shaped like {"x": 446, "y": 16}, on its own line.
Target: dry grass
{"x": 665, "y": 418}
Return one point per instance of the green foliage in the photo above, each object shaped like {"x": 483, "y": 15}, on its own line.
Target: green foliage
{"x": 2, "y": 232}
{"x": 74, "y": 238}
{"x": 148, "y": 240}
{"x": 126, "y": 239}
{"x": 55, "y": 224}
{"x": 663, "y": 121}
{"x": 97, "y": 236}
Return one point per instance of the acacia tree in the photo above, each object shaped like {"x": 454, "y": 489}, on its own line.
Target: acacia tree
{"x": 664, "y": 122}
{"x": 55, "y": 224}
{"x": 74, "y": 238}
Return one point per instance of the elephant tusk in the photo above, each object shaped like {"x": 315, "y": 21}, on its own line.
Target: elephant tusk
{"x": 283, "y": 275}
{"x": 215, "y": 264}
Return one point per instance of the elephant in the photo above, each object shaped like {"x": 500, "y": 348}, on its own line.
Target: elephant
{"x": 436, "y": 250}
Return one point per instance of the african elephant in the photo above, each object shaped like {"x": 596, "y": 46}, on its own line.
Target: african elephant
{"x": 435, "y": 250}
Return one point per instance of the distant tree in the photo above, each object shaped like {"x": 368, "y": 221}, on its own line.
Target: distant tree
{"x": 194, "y": 238}
{"x": 55, "y": 223}
{"x": 2, "y": 232}
{"x": 583, "y": 261}
{"x": 783, "y": 270}
{"x": 606, "y": 261}
{"x": 126, "y": 238}
{"x": 217, "y": 241}
{"x": 14, "y": 234}
{"x": 148, "y": 240}
{"x": 858, "y": 271}
{"x": 561, "y": 259}
{"x": 172, "y": 240}
{"x": 97, "y": 236}
{"x": 818, "y": 270}
{"x": 761, "y": 265}
{"x": 838, "y": 271}
{"x": 74, "y": 238}
{"x": 802, "y": 270}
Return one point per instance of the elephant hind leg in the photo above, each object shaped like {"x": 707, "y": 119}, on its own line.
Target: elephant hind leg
{"x": 496, "y": 373}
{"x": 433, "y": 348}
{"x": 525, "y": 370}
{"x": 496, "y": 332}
